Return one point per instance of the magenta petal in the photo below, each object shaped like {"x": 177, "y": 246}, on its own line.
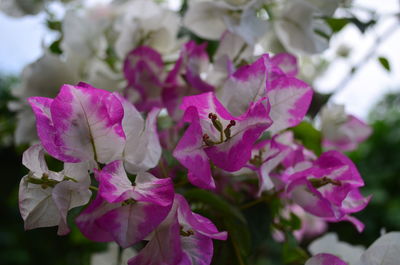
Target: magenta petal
{"x": 154, "y": 190}
{"x": 190, "y": 153}
{"x": 131, "y": 223}
{"x": 143, "y": 69}
{"x": 197, "y": 222}
{"x": 339, "y": 167}
{"x": 286, "y": 62}
{"x": 246, "y": 86}
{"x": 81, "y": 124}
{"x": 290, "y": 99}
{"x": 205, "y": 104}
{"x": 233, "y": 154}
{"x": 88, "y": 123}
{"x": 46, "y": 131}
{"x": 164, "y": 246}
{"x": 114, "y": 183}
{"x": 197, "y": 250}
{"x": 325, "y": 259}
{"x": 304, "y": 194}
{"x": 348, "y": 135}
{"x": 87, "y": 220}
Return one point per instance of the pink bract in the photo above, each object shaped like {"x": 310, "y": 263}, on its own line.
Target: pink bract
{"x": 228, "y": 147}
{"x": 81, "y": 124}
{"x": 189, "y": 238}
{"x": 126, "y": 212}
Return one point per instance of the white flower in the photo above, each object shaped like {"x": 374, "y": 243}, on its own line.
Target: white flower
{"x": 46, "y": 196}
{"x": 145, "y": 22}
{"x": 330, "y": 244}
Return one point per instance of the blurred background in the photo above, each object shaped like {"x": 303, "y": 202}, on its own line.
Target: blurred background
{"x": 361, "y": 70}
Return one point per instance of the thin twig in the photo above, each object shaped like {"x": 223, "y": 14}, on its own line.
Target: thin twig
{"x": 369, "y": 55}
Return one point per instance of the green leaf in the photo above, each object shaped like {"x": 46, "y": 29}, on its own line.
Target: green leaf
{"x": 54, "y": 25}
{"x": 239, "y": 235}
{"x": 385, "y": 63}
{"x": 216, "y": 202}
{"x": 295, "y": 221}
{"x": 337, "y": 24}
{"x": 55, "y": 47}
{"x": 309, "y": 136}
{"x": 292, "y": 253}
{"x": 362, "y": 26}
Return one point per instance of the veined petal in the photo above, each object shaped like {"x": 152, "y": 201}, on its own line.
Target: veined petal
{"x": 88, "y": 123}
{"x": 68, "y": 195}
{"x": 131, "y": 223}
{"x": 114, "y": 183}
{"x": 138, "y": 209}
{"x": 247, "y": 85}
{"x": 46, "y": 130}
{"x": 289, "y": 98}
{"x": 154, "y": 190}
{"x": 33, "y": 159}
{"x": 143, "y": 151}
{"x": 36, "y": 205}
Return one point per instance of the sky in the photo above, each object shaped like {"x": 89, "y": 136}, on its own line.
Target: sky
{"x": 23, "y": 38}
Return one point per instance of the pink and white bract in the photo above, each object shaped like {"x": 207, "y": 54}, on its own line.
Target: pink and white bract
{"x": 223, "y": 124}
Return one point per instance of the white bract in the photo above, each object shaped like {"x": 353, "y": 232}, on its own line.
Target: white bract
{"x": 45, "y": 196}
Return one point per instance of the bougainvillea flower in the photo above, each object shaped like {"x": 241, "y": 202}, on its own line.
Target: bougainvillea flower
{"x": 143, "y": 69}
{"x": 123, "y": 211}
{"x": 289, "y": 97}
{"x": 329, "y": 189}
{"x": 217, "y": 136}
{"x": 81, "y": 123}
{"x": 189, "y": 236}
{"x": 325, "y": 259}
{"x": 142, "y": 149}
{"x": 45, "y": 196}
{"x": 186, "y": 76}
{"x": 276, "y": 159}
{"x": 342, "y": 131}
{"x": 266, "y": 156}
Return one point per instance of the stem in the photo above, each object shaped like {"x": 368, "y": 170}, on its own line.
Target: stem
{"x": 163, "y": 168}
{"x": 237, "y": 252}
{"x": 94, "y": 188}
{"x": 181, "y": 183}
{"x": 252, "y": 203}
{"x": 119, "y": 258}
{"x": 237, "y": 57}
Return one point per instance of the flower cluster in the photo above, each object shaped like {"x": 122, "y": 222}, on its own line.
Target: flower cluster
{"x": 220, "y": 122}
